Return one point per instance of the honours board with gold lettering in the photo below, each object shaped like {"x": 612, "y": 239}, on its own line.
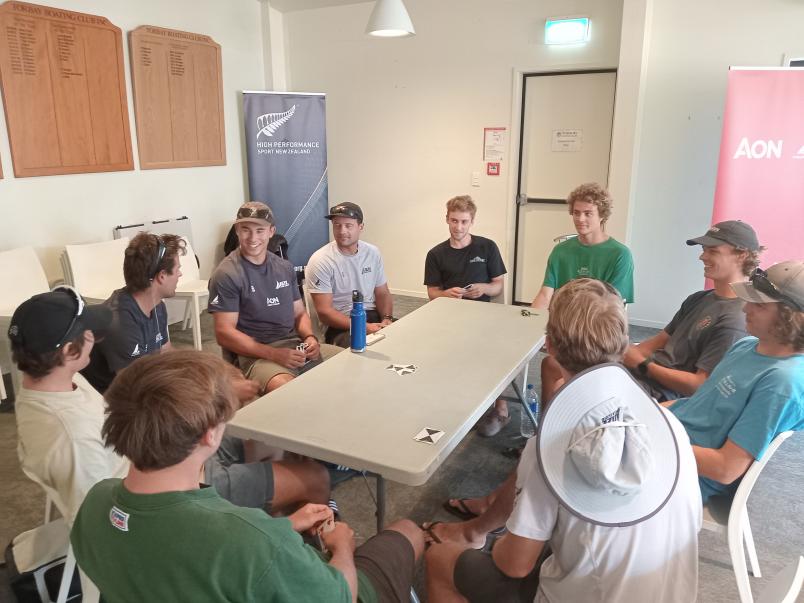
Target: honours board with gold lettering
{"x": 64, "y": 91}
{"x": 178, "y": 98}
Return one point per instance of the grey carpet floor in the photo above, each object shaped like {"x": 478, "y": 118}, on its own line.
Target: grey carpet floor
{"x": 776, "y": 507}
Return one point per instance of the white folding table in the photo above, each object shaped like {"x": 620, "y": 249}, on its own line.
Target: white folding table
{"x": 355, "y": 410}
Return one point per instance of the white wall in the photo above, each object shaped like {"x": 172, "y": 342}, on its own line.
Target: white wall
{"x": 49, "y": 211}
{"x": 405, "y": 117}
{"x": 692, "y": 45}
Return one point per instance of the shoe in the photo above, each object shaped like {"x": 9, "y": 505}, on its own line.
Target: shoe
{"x": 459, "y": 510}
{"x": 492, "y": 423}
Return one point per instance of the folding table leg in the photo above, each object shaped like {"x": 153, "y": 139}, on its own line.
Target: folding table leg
{"x": 380, "y": 503}
{"x": 523, "y": 402}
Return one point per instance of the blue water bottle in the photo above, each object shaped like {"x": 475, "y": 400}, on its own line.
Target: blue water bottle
{"x": 358, "y": 326}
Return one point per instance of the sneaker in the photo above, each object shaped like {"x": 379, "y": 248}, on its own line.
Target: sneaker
{"x": 492, "y": 423}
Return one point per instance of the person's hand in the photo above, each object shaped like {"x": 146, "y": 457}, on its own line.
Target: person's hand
{"x": 373, "y": 327}
{"x": 313, "y": 348}
{"x": 310, "y": 516}
{"x": 386, "y": 322}
{"x": 456, "y": 292}
{"x": 289, "y": 357}
{"x": 474, "y": 291}
{"x": 246, "y": 390}
{"x": 341, "y": 537}
{"x": 633, "y": 356}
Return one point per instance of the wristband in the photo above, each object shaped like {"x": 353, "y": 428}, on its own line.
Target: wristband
{"x": 388, "y": 317}
{"x": 642, "y": 367}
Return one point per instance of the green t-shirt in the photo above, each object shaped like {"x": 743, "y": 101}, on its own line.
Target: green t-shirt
{"x": 196, "y": 546}
{"x": 609, "y": 261}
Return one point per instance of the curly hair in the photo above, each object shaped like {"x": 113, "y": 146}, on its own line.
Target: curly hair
{"x": 462, "y": 203}
{"x": 593, "y": 193}
{"x": 142, "y": 258}
{"x": 751, "y": 260}
{"x": 789, "y": 327}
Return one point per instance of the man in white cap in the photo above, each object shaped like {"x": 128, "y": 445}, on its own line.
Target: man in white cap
{"x": 609, "y": 483}
{"x": 757, "y": 390}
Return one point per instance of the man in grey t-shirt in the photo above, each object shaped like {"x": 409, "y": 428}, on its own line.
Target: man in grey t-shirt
{"x": 344, "y": 265}
{"x": 257, "y": 308}
{"x": 676, "y": 361}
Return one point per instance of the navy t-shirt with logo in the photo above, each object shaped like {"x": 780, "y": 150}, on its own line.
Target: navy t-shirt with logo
{"x": 478, "y": 262}
{"x": 131, "y": 334}
{"x": 262, "y": 295}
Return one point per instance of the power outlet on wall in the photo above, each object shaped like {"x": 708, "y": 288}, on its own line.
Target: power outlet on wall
{"x": 475, "y": 178}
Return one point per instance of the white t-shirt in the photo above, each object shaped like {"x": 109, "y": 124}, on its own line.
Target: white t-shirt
{"x": 655, "y": 560}
{"x": 60, "y": 444}
{"x": 330, "y": 271}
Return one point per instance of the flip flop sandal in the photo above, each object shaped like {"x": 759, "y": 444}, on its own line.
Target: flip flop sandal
{"x": 459, "y": 510}
{"x": 427, "y": 528}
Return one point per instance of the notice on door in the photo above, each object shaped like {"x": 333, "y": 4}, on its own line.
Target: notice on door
{"x": 566, "y": 141}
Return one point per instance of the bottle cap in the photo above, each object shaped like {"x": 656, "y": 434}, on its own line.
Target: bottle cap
{"x": 357, "y": 296}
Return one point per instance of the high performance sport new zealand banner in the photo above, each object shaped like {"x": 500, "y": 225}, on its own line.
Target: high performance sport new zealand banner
{"x": 286, "y": 149}
{"x": 760, "y": 176}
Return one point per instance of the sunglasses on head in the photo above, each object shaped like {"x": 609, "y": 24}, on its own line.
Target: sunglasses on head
{"x": 261, "y": 213}
{"x": 763, "y": 284}
{"x": 160, "y": 254}
{"x": 79, "y": 310}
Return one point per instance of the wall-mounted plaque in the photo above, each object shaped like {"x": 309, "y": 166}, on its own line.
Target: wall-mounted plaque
{"x": 64, "y": 91}
{"x": 178, "y": 98}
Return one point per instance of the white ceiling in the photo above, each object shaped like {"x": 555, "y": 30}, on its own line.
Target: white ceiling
{"x": 293, "y": 5}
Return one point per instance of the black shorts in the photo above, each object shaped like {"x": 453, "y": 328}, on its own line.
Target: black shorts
{"x": 477, "y": 578}
{"x": 387, "y": 561}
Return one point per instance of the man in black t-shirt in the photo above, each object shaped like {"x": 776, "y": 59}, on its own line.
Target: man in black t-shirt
{"x": 467, "y": 266}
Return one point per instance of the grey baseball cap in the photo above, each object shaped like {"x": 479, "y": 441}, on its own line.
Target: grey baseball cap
{"x": 781, "y": 283}
{"x": 731, "y": 232}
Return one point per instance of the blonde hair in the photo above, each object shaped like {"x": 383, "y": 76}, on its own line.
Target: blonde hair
{"x": 587, "y": 325}
{"x": 462, "y": 203}
{"x": 593, "y": 193}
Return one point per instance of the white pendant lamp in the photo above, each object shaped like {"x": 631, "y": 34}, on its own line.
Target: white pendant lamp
{"x": 389, "y": 19}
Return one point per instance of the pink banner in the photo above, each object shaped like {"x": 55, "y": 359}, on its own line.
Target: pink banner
{"x": 760, "y": 175}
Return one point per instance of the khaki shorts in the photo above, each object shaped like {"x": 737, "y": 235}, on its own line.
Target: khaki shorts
{"x": 263, "y": 371}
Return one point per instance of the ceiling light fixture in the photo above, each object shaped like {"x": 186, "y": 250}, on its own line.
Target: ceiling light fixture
{"x": 389, "y": 19}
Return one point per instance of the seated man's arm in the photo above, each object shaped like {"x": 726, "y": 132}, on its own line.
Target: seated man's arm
{"x": 385, "y": 303}
{"x": 229, "y": 337}
{"x": 491, "y": 289}
{"x": 684, "y": 382}
{"x": 327, "y": 312}
{"x": 436, "y": 291}
{"x": 542, "y": 299}
{"x": 516, "y": 556}
{"x": 304, "y": 329}
{"x": 724, "y": 464}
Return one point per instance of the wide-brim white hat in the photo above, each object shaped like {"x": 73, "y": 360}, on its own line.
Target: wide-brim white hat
{"x": 651, "y": 437}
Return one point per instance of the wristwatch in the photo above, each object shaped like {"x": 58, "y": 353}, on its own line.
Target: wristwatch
{"x": 642, "y": 367}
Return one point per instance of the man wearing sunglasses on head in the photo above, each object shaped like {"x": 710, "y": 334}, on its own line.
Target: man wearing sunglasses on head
{"x": 257, "y": 307}
{"x": 757, "y": 391}
{"x": 139, "y": 317}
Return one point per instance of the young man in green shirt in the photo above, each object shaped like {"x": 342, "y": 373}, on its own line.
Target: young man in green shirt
{"x": 157, "y": 536}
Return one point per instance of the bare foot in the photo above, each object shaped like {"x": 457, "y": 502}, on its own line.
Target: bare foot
{"x": 458, "y": 533}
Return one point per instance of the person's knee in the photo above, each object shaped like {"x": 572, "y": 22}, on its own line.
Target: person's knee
{"x": 278, "y": 381}
{"x": 412, "y": 533}
{"x": 318, "y": 483}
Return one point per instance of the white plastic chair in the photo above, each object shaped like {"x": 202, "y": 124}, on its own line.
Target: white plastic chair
{"x": 96, "y": 269}
{"x": 786, "y": 585}
{"x": 318, "y": 327}
{"x": 192, "y": 288}
{"x": 731, "y": 518}
{"x": 21, "y": 276}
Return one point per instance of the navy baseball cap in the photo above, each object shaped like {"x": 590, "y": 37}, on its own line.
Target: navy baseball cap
{"x": 346, "y": 210}
{"x": 47, "y": 321}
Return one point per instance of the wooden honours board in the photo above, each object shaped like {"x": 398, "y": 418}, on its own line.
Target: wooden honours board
{"x": 178, "y": 98}
{"x": 64, "y": 91}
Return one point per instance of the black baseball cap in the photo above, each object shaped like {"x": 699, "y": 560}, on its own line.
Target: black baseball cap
{"x": 731, "y": 232}
{"x": 346, "y": 210}
{"x": 48, "y": 320}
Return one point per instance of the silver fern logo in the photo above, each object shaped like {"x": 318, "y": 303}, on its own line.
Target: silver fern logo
{"x": 270, "y": 122}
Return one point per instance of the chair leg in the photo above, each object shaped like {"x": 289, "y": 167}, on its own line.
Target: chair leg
{"x": 48, "y": 508}
{"x": 196, "y": 323}
{"x": 67, "y": 576}
{"x": 2, "y": 387}
{"x": 748, "y": 537}
{"x": 186, "y": 322}
{"x": 737, "y": 553}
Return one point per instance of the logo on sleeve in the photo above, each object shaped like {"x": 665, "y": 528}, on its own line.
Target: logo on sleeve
{"x": 136, "y": 350}
{"x": 477, "y": 259}
{"x": 272, "y": 301}
{"x": 281, "y": 284}
{"x": 215, "y": 301}
{"x": 119, "y": 519}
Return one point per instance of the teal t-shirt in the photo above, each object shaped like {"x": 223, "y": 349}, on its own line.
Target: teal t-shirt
{"x": 609, "y": 261}
{"x": 196, "y": 546}
{"x": 749, "y": 398}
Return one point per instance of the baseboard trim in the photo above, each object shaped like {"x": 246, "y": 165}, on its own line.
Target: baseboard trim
{"x": 419, "y": 294}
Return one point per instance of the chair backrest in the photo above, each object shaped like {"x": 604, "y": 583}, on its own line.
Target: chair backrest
{"x": 565, "y": 237}
{"x": 21, "y": 276}
{"x": 188, "y": 264}
{"x": 786, "y": 585}
{"x": 97, "y": 268}
{"x": 318, "y": 326}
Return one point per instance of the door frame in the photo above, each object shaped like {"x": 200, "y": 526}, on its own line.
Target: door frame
{"x": 522, "y": 81}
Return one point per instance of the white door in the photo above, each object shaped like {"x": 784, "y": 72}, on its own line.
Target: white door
{"x": 566, "y": 141}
